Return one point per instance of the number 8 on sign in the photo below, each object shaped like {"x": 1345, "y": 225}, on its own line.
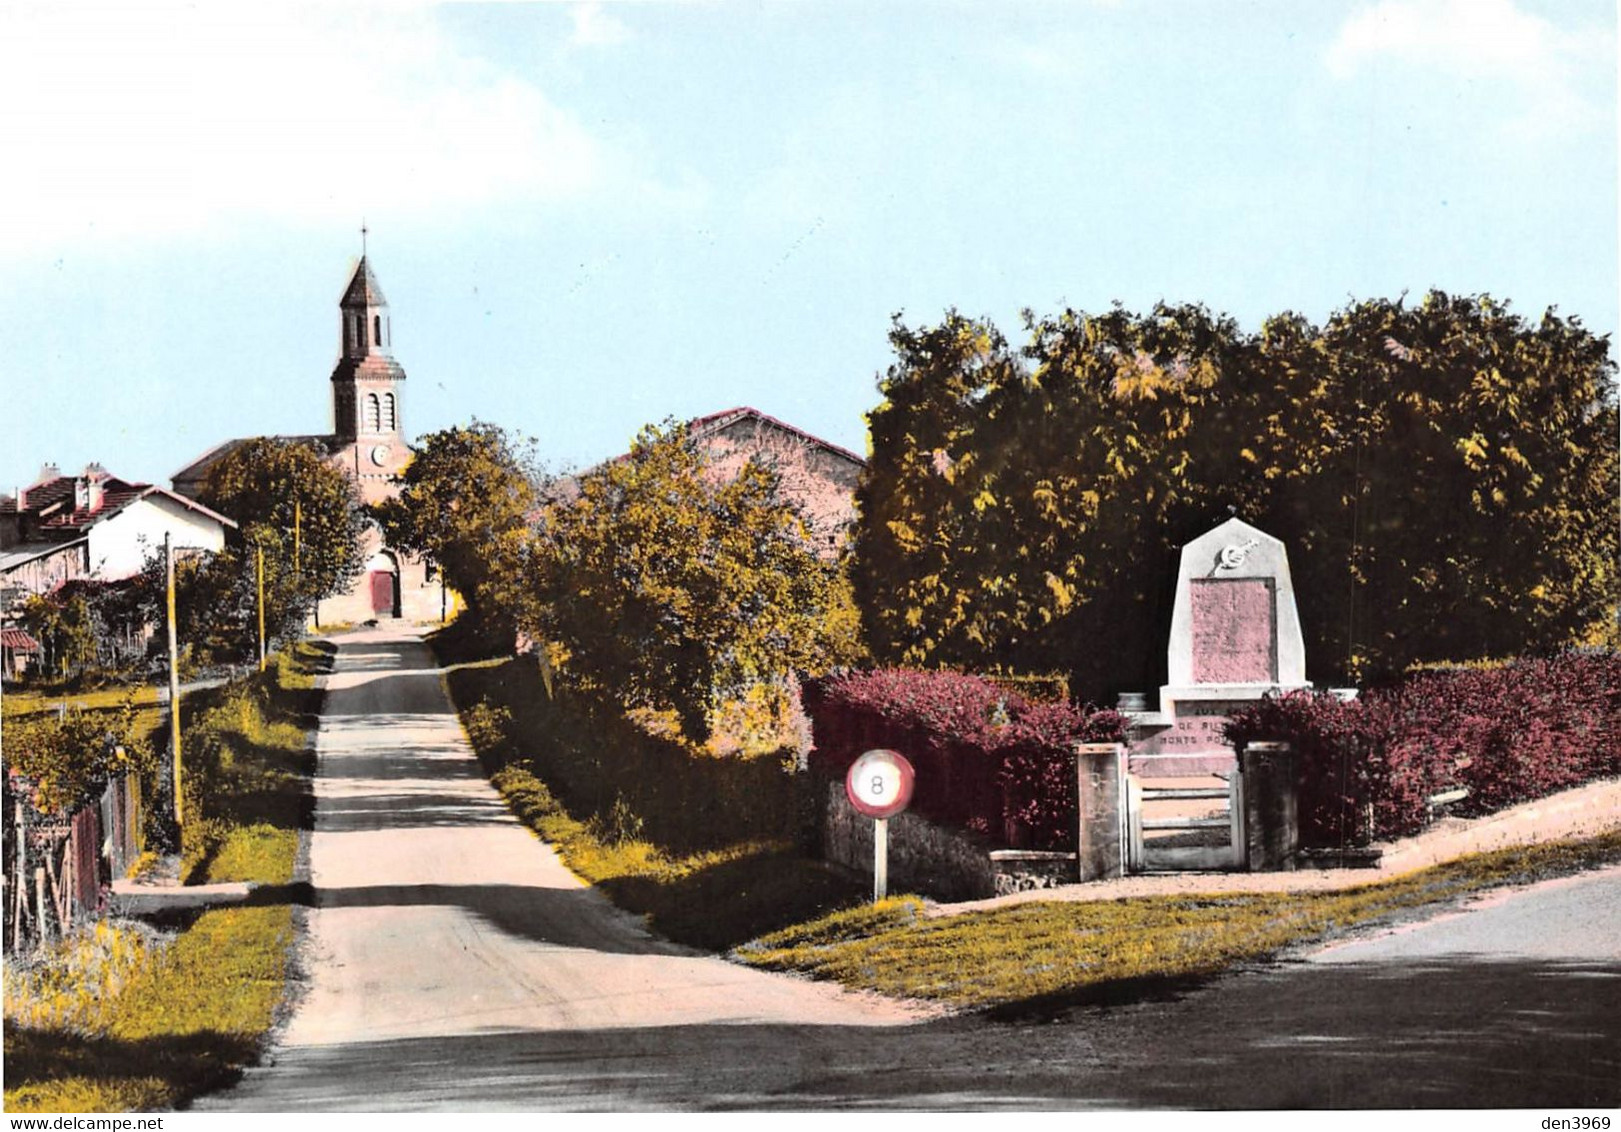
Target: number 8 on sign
{"x": 879, "y": 783}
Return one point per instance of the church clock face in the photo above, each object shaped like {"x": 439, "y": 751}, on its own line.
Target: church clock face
{"x": 379, "y": 454}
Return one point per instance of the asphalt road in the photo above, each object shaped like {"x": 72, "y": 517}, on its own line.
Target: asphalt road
{"x": 452, "y": 963}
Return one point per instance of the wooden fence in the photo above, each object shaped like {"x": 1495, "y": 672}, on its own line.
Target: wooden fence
{"x": 58, "y": 868}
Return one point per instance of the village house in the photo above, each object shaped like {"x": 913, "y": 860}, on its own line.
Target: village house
{"x": 367, "y": 442}
{"x": 89, "y": 527}
{"x": 94, "y": 526}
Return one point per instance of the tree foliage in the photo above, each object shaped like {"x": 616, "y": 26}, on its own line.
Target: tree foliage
{"x": 466, "y": 502}
{"x": 678, "y": 589}
{"x": 1443, "y": 476}
{"x": 67, "y": 761}
{"x": 303, "y": 512}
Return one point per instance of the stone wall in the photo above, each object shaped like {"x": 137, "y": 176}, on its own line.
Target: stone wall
{"x": 947, "y": 864}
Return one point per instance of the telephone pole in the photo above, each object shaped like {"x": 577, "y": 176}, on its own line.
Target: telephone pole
{"x": 174, "y": 674}
{"x": 260, "y": 554}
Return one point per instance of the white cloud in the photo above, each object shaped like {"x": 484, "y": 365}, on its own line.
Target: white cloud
{"x": 1480, "y": 40}
{"x": 132, "y": 119}
{"x": 594, "y": 27}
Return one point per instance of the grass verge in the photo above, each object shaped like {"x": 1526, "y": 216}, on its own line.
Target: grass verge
{"x": 705, "y": 848}
{"x": 188, "y": 1012}
{"x": 30, "y": 702}
{"x": 1052, "y": 954}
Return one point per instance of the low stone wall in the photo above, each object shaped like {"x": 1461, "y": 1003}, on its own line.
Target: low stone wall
{"x": 1025, "y": 870}
{"x": 947, "y": 864}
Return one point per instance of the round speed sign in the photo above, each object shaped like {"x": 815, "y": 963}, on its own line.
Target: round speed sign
{"x": 879, "y": 783}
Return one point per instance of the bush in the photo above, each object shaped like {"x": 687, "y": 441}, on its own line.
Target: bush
{"x": 616, "y": 774}
{"x": 1367, "y": 767}
{"x": 987, "y": 760}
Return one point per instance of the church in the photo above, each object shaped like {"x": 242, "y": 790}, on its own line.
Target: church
{"x": 367, "y": 442}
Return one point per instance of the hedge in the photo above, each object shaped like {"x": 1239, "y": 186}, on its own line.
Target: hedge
{"x": 1509, "y": 734}
{"x": 988, "y": 759}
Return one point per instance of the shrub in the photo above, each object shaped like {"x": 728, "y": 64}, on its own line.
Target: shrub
{"x": 987, "y": 760}
{"x": 1509, "y": 734}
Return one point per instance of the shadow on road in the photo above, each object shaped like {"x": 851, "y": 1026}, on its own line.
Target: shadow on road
{"x": 1458, "y": 1034}
{"x": 555, "y": 916}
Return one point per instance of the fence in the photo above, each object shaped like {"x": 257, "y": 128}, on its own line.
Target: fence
{"x": 58, "y": 868}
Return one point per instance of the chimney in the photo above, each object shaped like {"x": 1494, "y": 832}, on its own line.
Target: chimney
{"x": 95, "y": 477}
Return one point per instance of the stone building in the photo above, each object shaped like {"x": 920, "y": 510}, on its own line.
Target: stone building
{"x": 819, "y": 477}
{"x": 816, "y": 475}
{"x": 367, "y": 441}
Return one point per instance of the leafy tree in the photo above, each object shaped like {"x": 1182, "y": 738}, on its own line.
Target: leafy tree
{"x": 1466, "y": 505}
{"x": 69, "y": 760}
{"x": 280, "y": 492}
{"x": 674, "y": 588}
{"x": 1444, "y": 476}
{"x": 466, "y": 502}
{"x": 64, "y": 624}
{"x": 217, "y": 599}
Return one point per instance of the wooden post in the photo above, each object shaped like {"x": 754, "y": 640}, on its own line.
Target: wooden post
{"x": 39, "y": 902}
{"x": 174, "y": 680}
{"x": 298, "y": 547}
{"x": 21, "y": 893}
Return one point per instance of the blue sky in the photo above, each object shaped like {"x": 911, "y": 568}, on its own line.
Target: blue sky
{"x": 591, "y": 216}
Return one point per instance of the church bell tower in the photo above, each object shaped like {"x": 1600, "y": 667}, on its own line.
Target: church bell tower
{"x": 367, "y": 386}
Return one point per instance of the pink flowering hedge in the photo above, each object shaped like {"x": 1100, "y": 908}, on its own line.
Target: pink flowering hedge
{"x": 987, "y": 759}
{"x": 1508, "y": 734}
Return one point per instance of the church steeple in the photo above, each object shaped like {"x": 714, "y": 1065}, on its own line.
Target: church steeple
{"x": 366, "y": 327}
{"x": 366, "y": 381}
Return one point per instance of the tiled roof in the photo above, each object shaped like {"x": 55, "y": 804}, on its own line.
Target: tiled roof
{"x": 53, "y": 512}
{"x": 363, "y": 289}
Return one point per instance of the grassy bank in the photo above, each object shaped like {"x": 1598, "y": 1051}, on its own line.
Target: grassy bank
{"x": 1041, "y": 955}
{"x": 173, "y": 1015}
{"x": 706, "y": 848}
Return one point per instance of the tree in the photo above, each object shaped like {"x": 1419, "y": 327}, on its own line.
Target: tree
{"x": 466, "y": 502}
{"x": 1444, "y": 476}
{"x": 1466, "y": 505}
{"x": 676, "y": 589}
{"x": 281, "y": 491}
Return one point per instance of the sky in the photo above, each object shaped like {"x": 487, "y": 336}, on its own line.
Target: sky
{"x": 591, "y": 216}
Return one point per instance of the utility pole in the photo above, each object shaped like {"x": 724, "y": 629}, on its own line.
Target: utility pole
{"x": 174, "y": 675}
{"x": 298, "y": 522}
{"x": 260, "y": 554}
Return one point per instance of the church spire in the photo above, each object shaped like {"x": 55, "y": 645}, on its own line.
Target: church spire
{"x": 366, "y": 383}
{"x": 366, "y": 328}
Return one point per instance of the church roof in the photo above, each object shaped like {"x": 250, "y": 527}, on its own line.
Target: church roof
{"x": 363, "y": 289}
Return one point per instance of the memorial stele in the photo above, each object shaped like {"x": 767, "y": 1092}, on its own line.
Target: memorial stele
{"x": 1235, "y": 636}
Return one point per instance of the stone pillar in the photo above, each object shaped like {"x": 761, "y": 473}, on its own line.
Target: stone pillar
{"x": 1100, "y": 804}
{"x": 1271, "y": 818}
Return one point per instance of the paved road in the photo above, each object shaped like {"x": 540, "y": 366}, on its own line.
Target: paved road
{"x": 439, "y": 921}
{"x": 455, "y": 964}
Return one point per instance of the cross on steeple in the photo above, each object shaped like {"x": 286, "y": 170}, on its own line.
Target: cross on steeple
{"x": 362, "y": 239}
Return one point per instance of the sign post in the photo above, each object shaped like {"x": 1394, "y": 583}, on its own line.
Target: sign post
{"x": 879, "y": 785}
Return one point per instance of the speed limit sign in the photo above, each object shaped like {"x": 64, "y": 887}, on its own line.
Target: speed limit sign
{"x": 879, "y": 783}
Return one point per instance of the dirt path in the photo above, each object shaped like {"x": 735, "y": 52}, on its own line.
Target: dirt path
{"x": 437, "y": 916}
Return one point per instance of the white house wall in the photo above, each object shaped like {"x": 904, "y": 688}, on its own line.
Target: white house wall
{"x": 120, "y": 546}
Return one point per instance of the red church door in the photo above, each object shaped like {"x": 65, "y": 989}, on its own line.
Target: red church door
{"x": 383, "y": 593}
